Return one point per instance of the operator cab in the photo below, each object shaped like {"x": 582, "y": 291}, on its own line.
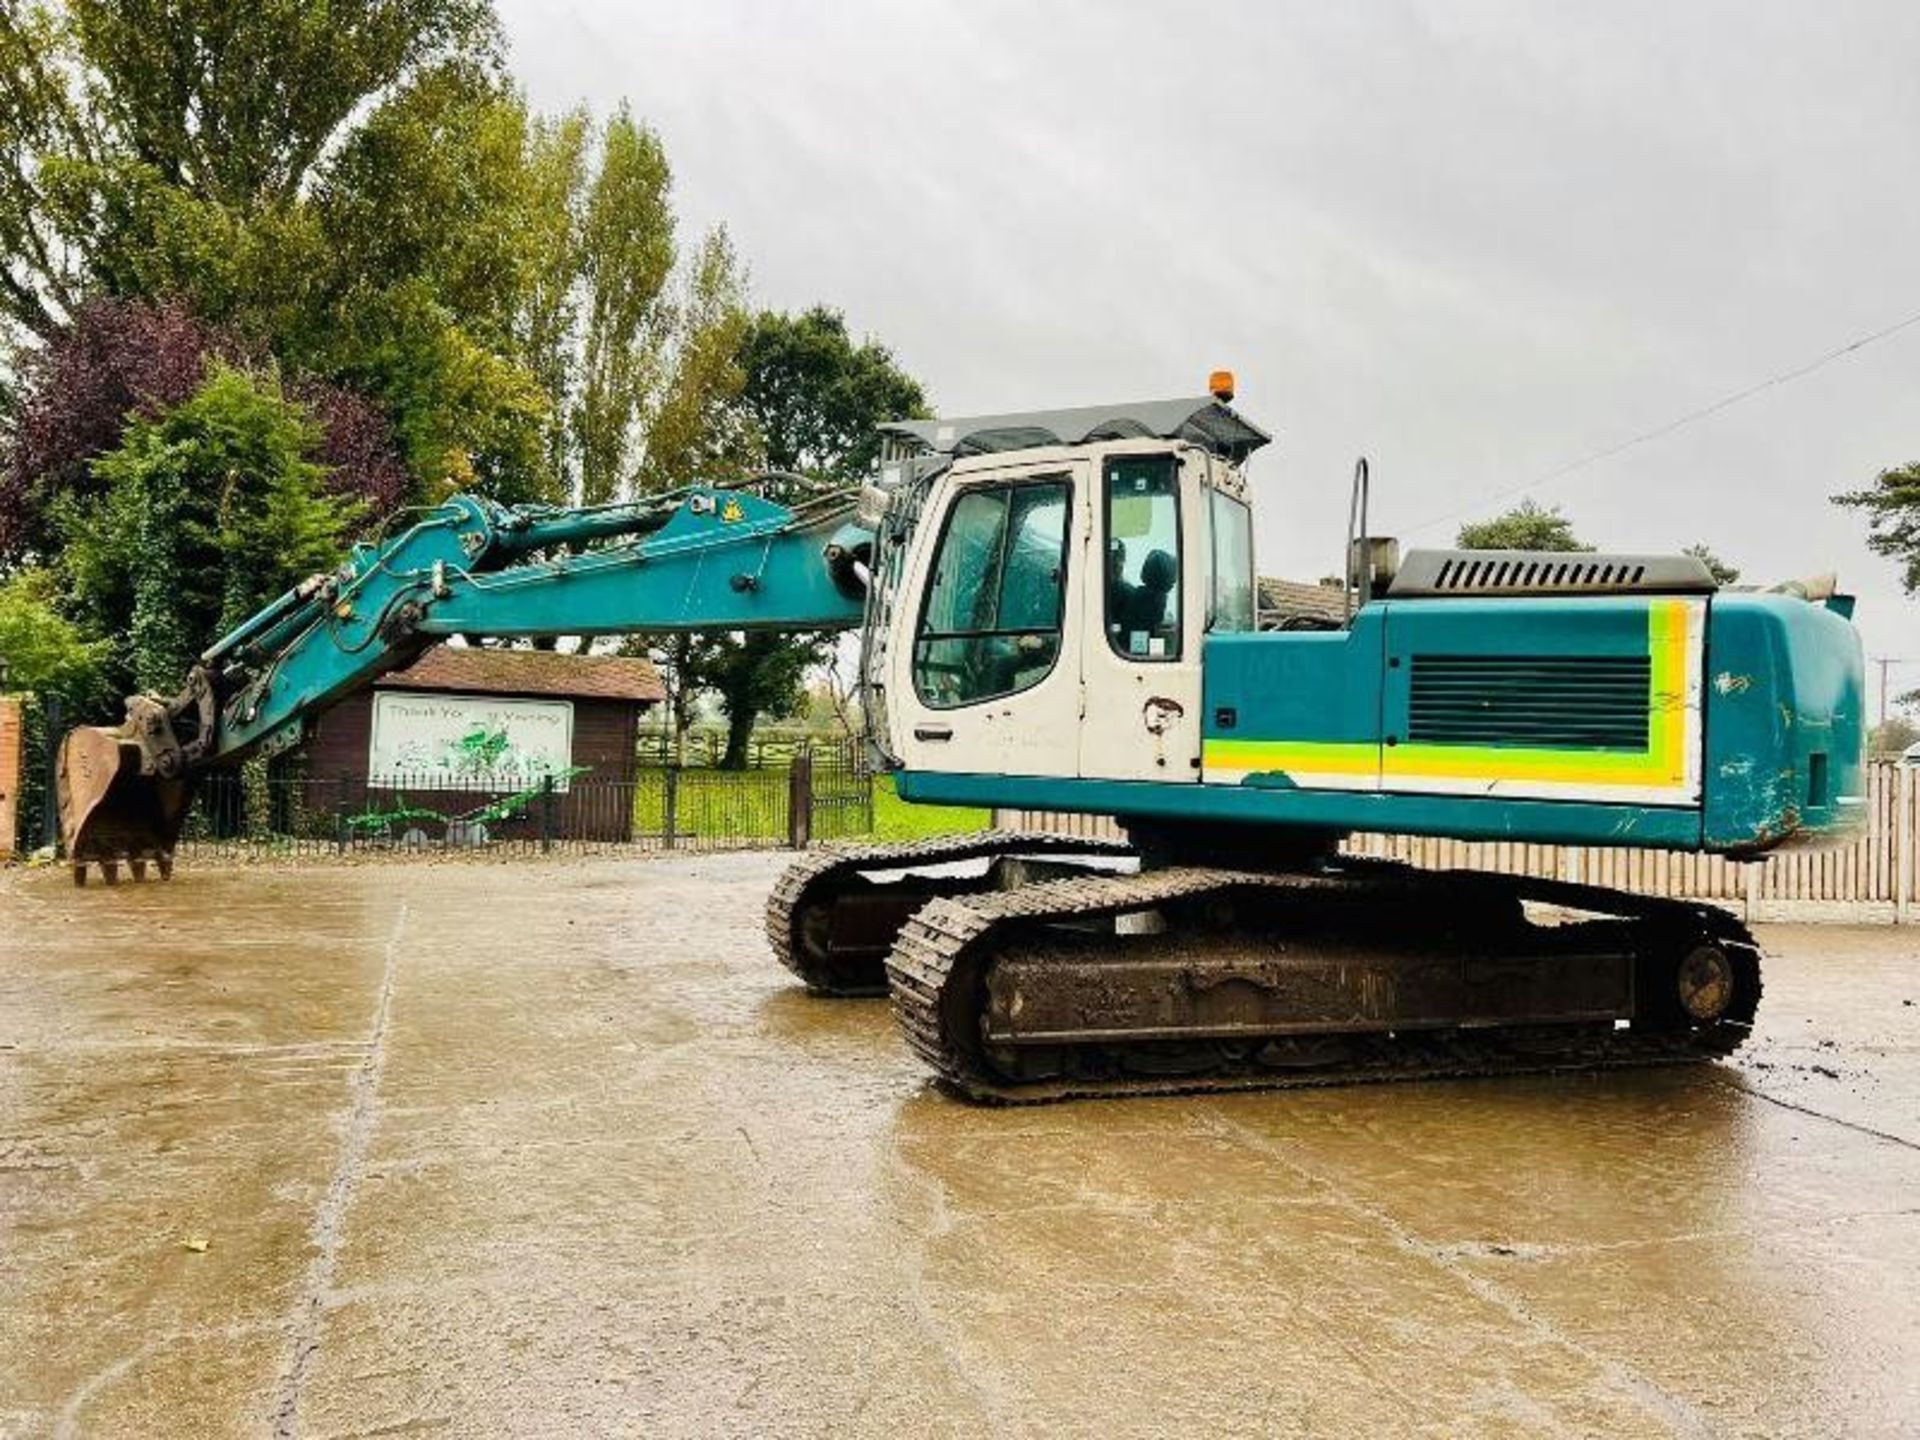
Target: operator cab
{"x": 1061, "y": 571}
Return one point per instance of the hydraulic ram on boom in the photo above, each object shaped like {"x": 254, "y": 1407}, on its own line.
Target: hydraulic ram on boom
{"x": 1057, "y": 613}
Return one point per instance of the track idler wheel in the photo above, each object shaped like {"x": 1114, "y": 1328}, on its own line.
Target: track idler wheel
{"x": 1705, "y": 984}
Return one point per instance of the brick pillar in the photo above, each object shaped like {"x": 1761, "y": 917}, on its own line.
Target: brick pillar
{"x": 12, "y": 757}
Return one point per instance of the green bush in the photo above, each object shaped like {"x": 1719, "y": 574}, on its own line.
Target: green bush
{"x": 48, "y": 660}
{"x": 210, "y": 510}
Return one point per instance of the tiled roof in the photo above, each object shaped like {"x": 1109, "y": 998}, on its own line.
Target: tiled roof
{"x": 1289, "y": 599}
{"x": 478, "y": 670}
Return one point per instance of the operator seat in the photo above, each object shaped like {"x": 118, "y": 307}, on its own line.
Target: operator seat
{"x": 1141, "y": 610}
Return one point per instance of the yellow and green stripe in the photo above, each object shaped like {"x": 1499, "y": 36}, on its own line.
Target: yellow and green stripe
{"x": 1662, "y": 765}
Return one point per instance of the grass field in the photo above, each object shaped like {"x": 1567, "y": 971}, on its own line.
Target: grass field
{"x": 753, "y": 803}
{"x": 715, "y": 804}
{"x": 895, "y": 819}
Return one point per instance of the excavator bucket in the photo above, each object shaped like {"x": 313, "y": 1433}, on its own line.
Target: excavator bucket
{"x": 112, "y": 812}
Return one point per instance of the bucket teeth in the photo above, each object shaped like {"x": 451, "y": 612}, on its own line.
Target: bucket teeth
{"x": 111, "y": 812}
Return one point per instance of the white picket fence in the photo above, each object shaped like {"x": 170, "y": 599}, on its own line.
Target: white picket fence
{"x": 1875, "y": 877}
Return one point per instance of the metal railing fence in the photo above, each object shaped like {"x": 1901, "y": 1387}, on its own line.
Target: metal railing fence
{"x": 245, "y": 815}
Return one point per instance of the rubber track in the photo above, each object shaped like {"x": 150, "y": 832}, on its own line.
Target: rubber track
{"x": 922, "y": 963}
{"x": 814, "y": 876}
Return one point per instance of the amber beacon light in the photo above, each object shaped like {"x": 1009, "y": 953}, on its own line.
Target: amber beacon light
{"x": 1220, "y": 386}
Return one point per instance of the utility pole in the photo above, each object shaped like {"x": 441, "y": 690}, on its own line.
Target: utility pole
{"x": 1886, "y": 663}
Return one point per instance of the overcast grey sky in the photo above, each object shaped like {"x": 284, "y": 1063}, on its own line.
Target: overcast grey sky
{"x": 1472, "y": 240}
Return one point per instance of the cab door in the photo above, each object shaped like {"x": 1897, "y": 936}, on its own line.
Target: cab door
{"x": 1141, "y": 619}
{"x": 986, "y": 681}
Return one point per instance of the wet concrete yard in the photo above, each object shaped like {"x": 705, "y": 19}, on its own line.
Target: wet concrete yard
{"x": 556, "y": 1149}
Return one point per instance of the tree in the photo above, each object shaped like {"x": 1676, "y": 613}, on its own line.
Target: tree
{"x": 43, "y": 650}
{"x": 760, "y": 673}
{"x": 465, "y": 417}
{"x": 1893, "y": 737}
{"x": 814, "y": 399}
{"x": 817, "y": 397}
{"x": 62, "y": 673}
{"x": 348, "y": 187}
{"x": 112, "y": 360}
{"x": 1892, "y": 506}
{"x": 681, "y": 664}
{"x": 835, "y": 697}
{"x": 356, "y": 446}
{"x": 428, "y": 223}
{"x": 357, "y": 191}
{"x": 1528, "y": 526}
{"x": 518, "y": 281}
{"x": 124, "y": 119}
{"x": 351, "y": 204}
{"x": 120, "y": 360}
{"x": 627, "y": 254}
{"x": 697, "y": 426}
{"x": 452, "y": 288}
{"x": 208, "y": 510}
{"x": 1900, "y": 729}
{"x": 1723, "y": 573}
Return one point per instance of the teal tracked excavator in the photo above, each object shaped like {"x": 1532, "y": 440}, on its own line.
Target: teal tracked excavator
{"x": 1057, "y": 613}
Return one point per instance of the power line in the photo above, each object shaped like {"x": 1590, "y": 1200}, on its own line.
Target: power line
{"x": 1670, "y": 426}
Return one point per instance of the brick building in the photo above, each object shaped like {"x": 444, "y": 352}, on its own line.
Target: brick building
{"x": 481, "y": 722}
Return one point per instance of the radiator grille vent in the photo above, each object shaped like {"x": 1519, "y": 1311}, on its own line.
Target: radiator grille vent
{"x": 1578, "y": 701}
{"x": 1480, "y": 576}
{"x": 1447, "y": 573}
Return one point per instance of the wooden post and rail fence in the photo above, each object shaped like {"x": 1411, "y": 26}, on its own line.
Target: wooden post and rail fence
{"x": 1874, "y": 877}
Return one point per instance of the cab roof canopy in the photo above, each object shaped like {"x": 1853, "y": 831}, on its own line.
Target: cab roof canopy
{"x": 1203, "y": 421}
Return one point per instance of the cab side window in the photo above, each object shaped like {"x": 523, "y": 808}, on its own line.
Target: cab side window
{"x": 1143, "y": 557}
{"x": 1230, "y": 600}
{"x": 991, "y": 622}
